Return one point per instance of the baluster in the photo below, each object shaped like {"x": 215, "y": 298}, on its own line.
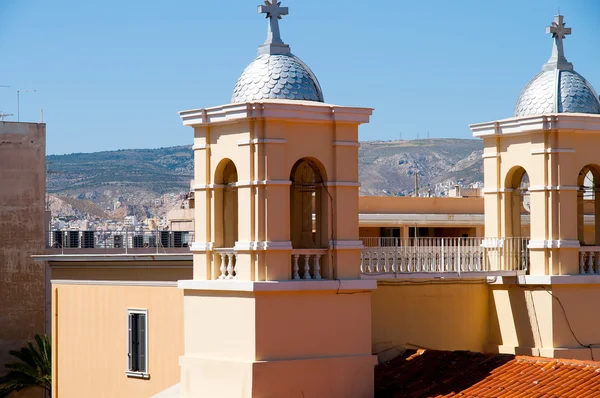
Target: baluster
{"x": 377, "y": 260}
{"x": 385, "y": 261}
{"x": 401, "y": 259}
{"x": 295, "y": 268}
{"x": 229, "y": 266}
{"x": 581, "y": 262}
{"x": 370, "y": 262}
{"x": 317, "y": 266}
{"x": 595, "y": 268}
{"x": 306, "y": 267}
{"x": 590, "y": 267}
{"x": 362, "y": 261}
{"x": 223, "y": 267}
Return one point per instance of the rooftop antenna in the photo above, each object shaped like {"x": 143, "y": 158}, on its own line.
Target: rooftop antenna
{"x": 3, "y": 115}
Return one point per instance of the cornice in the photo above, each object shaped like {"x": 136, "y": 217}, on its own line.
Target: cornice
{"x": 576, "y": 122}
{"x": 276, "y": 109}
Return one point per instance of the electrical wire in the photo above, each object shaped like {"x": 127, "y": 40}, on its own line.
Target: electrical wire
{"x": 564, "y": 312}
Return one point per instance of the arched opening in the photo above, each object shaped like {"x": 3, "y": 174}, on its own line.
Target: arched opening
{"x": 308, "y": 206}
{"x": 519, "y": 204}
{"x": 226, "y": 205}
{"x": 588, "y": 223}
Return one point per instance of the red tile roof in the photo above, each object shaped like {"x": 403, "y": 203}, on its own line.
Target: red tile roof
{"x": 429, "y": 373}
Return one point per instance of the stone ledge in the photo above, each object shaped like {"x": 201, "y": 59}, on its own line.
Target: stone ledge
{"x": 278, "y": 286}
{"x": 533, "y": 280}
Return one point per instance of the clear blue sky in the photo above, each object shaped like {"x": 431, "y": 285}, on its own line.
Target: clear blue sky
{"x": 113, "y": 74}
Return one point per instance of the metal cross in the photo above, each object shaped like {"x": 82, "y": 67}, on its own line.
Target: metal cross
{"x": 559, "y": 32}
{"x": 274, "y": 12}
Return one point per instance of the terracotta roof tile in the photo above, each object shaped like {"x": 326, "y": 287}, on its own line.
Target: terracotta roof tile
{"x": 444, "y": 374}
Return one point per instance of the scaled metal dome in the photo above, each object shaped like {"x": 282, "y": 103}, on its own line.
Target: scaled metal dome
{"x": 557, "y": 91}
{"x": 277, "y": 76}
{"x": 276, "y": 73}
{"x": 557, "y": 88}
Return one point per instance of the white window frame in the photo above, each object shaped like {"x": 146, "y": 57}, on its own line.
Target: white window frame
{"x": 132, "y": 373}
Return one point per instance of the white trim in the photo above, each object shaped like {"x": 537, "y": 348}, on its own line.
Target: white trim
{"x": 496, "y": 190}
{"x": 278, "y": 286}
{"x": 203, "y": 187}
{"x": 579, "y": 123}
{"x": 200, "y": 146}
{"x": 113, "y": 283}
{"x": 346, "y": 244}
{"x": 308, "y": 111}
{"x": 549, "y": 280}
{"x": 346, "y": 143}
{"x": 138, "y": 375}
{"x": 99, "y": 257}
{"x": 553, "y": 188}
{"x": 201, "y": 246}
{"x": 554, "y": 244}
{"x": 262, "y": 182}
{"x": 262, "y": 141}
{"x": 552, "y": 150}
{"x": 263, "y": 245}
{"x": 342, "y": 184}
{"x": 490, "y": 155}
{"x": 134, "y": 373}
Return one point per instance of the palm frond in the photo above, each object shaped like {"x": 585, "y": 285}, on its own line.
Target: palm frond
{"x": 34, "y": 368}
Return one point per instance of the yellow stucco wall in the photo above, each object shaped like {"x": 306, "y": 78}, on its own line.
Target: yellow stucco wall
{"x": 406, "y": 205}
{"x": 272, "y": 343}
{"x": 90, "y": 339}
{"x": 430, "y": 314}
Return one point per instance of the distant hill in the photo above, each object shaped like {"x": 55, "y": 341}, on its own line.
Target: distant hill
{"x": 136, "y": 177}
{"x": 388, "y": 167}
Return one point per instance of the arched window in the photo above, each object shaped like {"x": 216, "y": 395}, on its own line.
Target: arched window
{"x": 518, "y": 203}
{"x": 588, "y": 224}
{"x": 308, "y": 205}
{"x": 226, "y": 211}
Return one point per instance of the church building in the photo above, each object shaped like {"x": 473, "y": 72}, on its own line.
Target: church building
{"x": 280, "y": 296}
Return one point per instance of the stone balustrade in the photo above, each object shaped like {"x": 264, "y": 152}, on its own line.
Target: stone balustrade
{"x": 306, "y": 263}
{"x": 228, "y": 258}
{"x": 589, "y": 259}
{"x": 440, "y": 255}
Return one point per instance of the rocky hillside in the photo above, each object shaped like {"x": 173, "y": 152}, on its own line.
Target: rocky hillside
{"x": 92, "y": 182}
{"x": 389, "y": 167}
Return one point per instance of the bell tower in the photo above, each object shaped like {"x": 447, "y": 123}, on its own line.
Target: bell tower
{"x": 277, "y": 307}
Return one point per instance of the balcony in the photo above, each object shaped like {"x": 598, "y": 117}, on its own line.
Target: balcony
{"x": 118, "y": 242}
{"x": 393, "y": 257}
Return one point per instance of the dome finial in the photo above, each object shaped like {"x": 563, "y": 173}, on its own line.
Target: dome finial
{"x": 273, "y": 44}
{"x": 559, "y": 32}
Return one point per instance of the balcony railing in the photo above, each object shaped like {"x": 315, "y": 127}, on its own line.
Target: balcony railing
{"x": 76, "y": 239}
{"x": 227, "y": 259}
{"x": 589, "y": 260}
{"x": 306, "y": 263}
{"x": 444, "y": 255}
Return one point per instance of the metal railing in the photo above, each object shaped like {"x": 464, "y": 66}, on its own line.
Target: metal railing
{"x": 439, "y": 255}
{"x": 76, "y": 239}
